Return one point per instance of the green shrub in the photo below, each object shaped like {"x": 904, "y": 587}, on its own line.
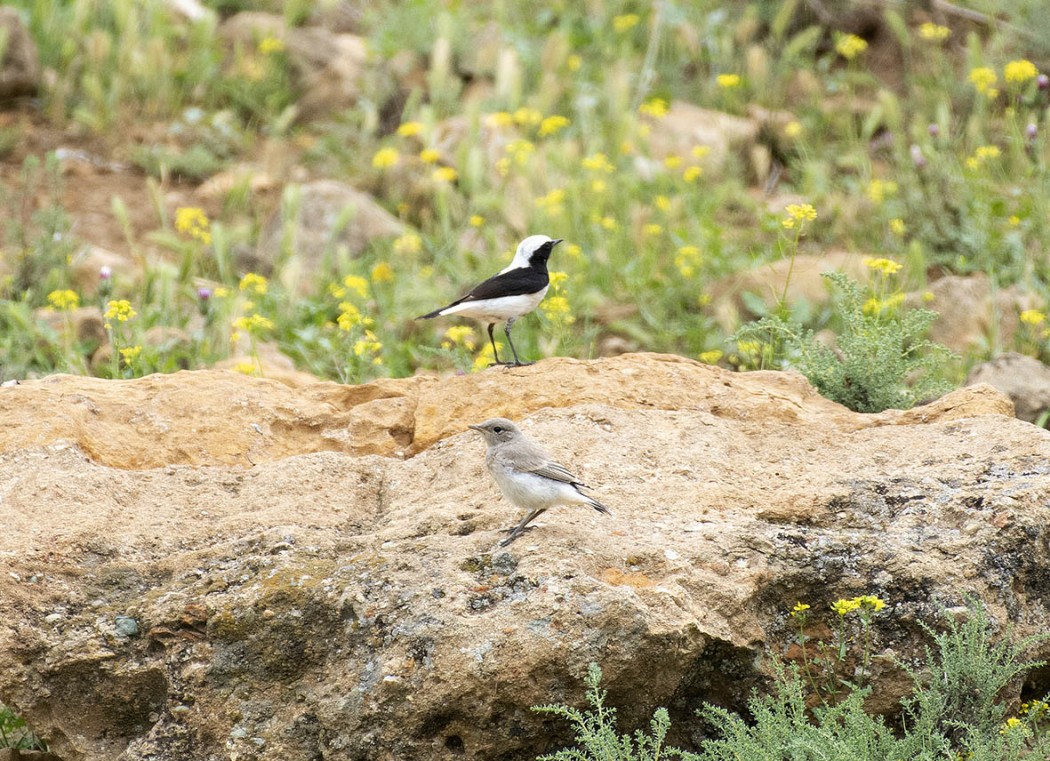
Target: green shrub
{"x": 956, "y": 711}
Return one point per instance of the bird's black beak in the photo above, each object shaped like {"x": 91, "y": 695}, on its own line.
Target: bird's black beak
{"x": 556, "y": 242}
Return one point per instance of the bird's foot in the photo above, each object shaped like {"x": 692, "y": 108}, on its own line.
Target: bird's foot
{"x": 518, "y": 364}
{"x": 514, "y": 532}
{"x": 501, "y": 364}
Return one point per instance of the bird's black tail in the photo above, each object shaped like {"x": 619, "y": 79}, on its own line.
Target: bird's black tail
{"x": 432, "y": 315}
{"x": 597, "y": 505}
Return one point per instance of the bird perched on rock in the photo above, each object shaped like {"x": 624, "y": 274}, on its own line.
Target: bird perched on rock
{"x": 527, "y": 475}
{"x": 513, "y": 292}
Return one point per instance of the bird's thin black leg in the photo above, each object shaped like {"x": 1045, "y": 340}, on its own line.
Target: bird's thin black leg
{"x": 495, "y": 354}
{"x": 517, "y": 362}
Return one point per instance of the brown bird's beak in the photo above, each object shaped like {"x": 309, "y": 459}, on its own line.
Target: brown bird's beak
{"x": 477, "y": 428}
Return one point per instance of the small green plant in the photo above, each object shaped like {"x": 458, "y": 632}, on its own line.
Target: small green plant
{"x": 596, "y": 731}
{"x": 881, "y": 358}
{"x": 824, "y": 670}
{"x": 14, "y": 733}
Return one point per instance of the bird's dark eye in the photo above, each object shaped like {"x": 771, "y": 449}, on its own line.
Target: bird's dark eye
{"x": 497, "y": 429}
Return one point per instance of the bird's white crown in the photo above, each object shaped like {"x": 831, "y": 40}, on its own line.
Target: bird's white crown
{"x": 525, "y": 251}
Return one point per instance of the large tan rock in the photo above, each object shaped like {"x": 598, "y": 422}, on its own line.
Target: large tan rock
{"x": 972, "y": 312}
{"x": 727, "y": 137}
{"x": 332, "y": 70}
{"x": 1024, "y": 379}
{"x": 278, "y": 601}
{"x": 333, "y": 219}
{"x": 19, "y": 57}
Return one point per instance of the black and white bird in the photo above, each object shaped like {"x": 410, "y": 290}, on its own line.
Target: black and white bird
{"x": 528, "y": 476}
{"x": 515, "y": 291}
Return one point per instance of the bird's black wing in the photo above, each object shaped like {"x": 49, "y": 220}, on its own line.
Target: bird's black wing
{"x": 515, "y": 282}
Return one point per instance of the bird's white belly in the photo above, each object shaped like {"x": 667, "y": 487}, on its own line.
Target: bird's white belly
{"x": 531, "y": 491}
{"x": 498, "y": 310}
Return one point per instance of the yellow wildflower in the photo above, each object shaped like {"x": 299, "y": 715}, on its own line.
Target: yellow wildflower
{"x": 64, "y": 300}
{"x": 499, "y": 119}
{"x": 878, "y": 190}
{"x": 673, "y": 162}
{"x": 193, "y": 222}
{"x": 356, "y": 284}
{"x": 270, "y": 45}
{"x": 710, "y": 357}
{"x": 598, "y": 162}
{"x": 410, "y": 129}
{"x": 552, "y": 202}
{"x": 528, "y": 117}
{"x": 871, "y": 601}
{"x": 485, "y": 356}
{"x": 573, "y": 250}
{"x": 254, "y": 283}
{"x": 728, "y": 81}
{"x": 798, "y": 215}
{"x": 382, "y": 273}
{"x": 934, "y": 32}
{"x": 367, "y": 344}
{"x": 461, "y": 335}
{"x": 598, "y": 186}
{"x": 220, "y": 292}
{"x": 850, "y": 46}
{"x": 477, "y": 220}
{"x": 574, "y": 62}
{"x": 385, "y": 158}
{"x": 883, "y": 265}
{"x": 552, "y": 125}
{"x": 625, "y": 22}
{"x": 349, "y": 317}
{"x": 130, "y": 353}
{"x": 519, "y": 151}
{"x": 793, "y": 129}
{"x": 246, "y": 368}
{"x": 897, "y": 226}
{"x": 699, "y": 151}
{"x": 1020, "y": 71}
{"x": 652, "y": 229}
{"x": 429, "y": 156}
{"x": 1033, "y": 317}
{"x": 844, "y": 607}
{"x": 687, "y": 260}
{"x": 983, "y": 79}
{"x": 692, "y": 173}
{"x": 409, "y": 243}
{"x": 120, "y": 310}
{"x": 253, "y": 324}
{"x": 1010, "y": 725}
{"x": 445, "y": 174}
{"x": 654, "y": 107}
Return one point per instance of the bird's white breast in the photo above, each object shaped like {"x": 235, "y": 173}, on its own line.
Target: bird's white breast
{"x": 498, "y": 309}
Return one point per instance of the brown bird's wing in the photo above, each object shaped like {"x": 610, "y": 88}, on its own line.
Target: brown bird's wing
{"x": 556, "y": 472}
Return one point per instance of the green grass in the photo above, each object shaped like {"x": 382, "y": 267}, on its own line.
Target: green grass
{"x": 922, "y": 168}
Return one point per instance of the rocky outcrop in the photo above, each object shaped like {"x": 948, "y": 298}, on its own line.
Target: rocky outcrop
{"x": 19, "y": 57}
{"x": 1024, "y": 379}
{"x": 207, "y": 565}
